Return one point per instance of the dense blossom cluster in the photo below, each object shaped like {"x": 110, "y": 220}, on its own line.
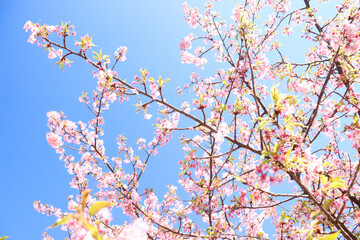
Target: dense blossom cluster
{"x": 267, "y": 141}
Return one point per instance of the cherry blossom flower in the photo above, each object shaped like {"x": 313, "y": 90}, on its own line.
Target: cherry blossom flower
{"x": 120, "y": 54}
{"x": 54, "y": 140}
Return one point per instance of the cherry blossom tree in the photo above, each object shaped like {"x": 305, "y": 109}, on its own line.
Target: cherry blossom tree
{"x": 263, "y": 120}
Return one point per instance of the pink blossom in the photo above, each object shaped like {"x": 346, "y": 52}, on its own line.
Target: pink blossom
{"x": 52, "y": 55}
{"x": 52, "y": 28}
{"x": 54, "y": 140}
{"x": 111, "y": 97}
{"x": 287, "y": 30}
{"x": 86, "y": 43}
{"x": 120, "y": 54}
{"x": 154, "y": 88}
{"x": 28, "y": 25}
{"x": 34, "y": 31}
{"x": 105, "y": 215}
{"x": 223, "y": 131}
{"x": 54, "y": 117}
{"x": 136, "y": 231}
{"x": 147, "y": 116}
{"x": 199, "y": 50}
{"x": 187, "y": 57}
{"x": 192, "y": 15}
{"x": 186, "y": 42}
{"x": 186, "y": 107}
{"x": 46, "y": 237}
{"x": 240, "y": 15}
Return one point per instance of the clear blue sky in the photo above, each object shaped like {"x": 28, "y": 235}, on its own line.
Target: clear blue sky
{"x": 31, "y": 85}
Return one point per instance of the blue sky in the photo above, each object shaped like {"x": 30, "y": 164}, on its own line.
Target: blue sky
{"x": 31, "y": 85}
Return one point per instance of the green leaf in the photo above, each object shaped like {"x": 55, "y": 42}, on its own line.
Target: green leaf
{"x": 84, "y": 194}
{"x": 356, "y": 118}
{"x": 62, "y": 221}
{"x": 97, "y": 206}
{"x": 332, "y": 236}
{"x": 61, "y": 62}
{"x": 274, "y": 92}
{"x": 327, "y": 203}
{"x": 262, "y": 124}
{"x": 289, "y": 67}
{"x": 95, "y": 234}
{"x": 201, "y": 98}
{"x": 280, "y": 98}
{"x": 223, "y": 107}
{"x": 314, "y": 215}
{"x": 308, "y": 236}
{"x": 4, "y": 237}
{"x": 288, "y": 153}
{"x": 337, "y": 185}
{"x": 97, "y": 57}
{"x": 161, "y": 82}
{"x": 276, "y": 147}
{"x": 287, "y": 217}
{"x": 323, "y": 179}
{"x": 326, "y": 164}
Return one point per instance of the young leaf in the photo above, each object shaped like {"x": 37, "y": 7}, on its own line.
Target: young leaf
{"x": 332, "y": 236}
{"x": 85, "y": 194}
{"x": 274, "y": 92}
{"x": 262, "y": 124}
{"x": 356, "y": 118}
{"x": 337, "y": 183}
{"x": 280, "y": 98}
{"x": 61, "y": 221}
{"x": 314, "y": 215}
{"x": 323, "y": 179}
{"x": 327, "y": 203}
{"x": 309, "y": 237}
{"x": 97, "y": 206}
